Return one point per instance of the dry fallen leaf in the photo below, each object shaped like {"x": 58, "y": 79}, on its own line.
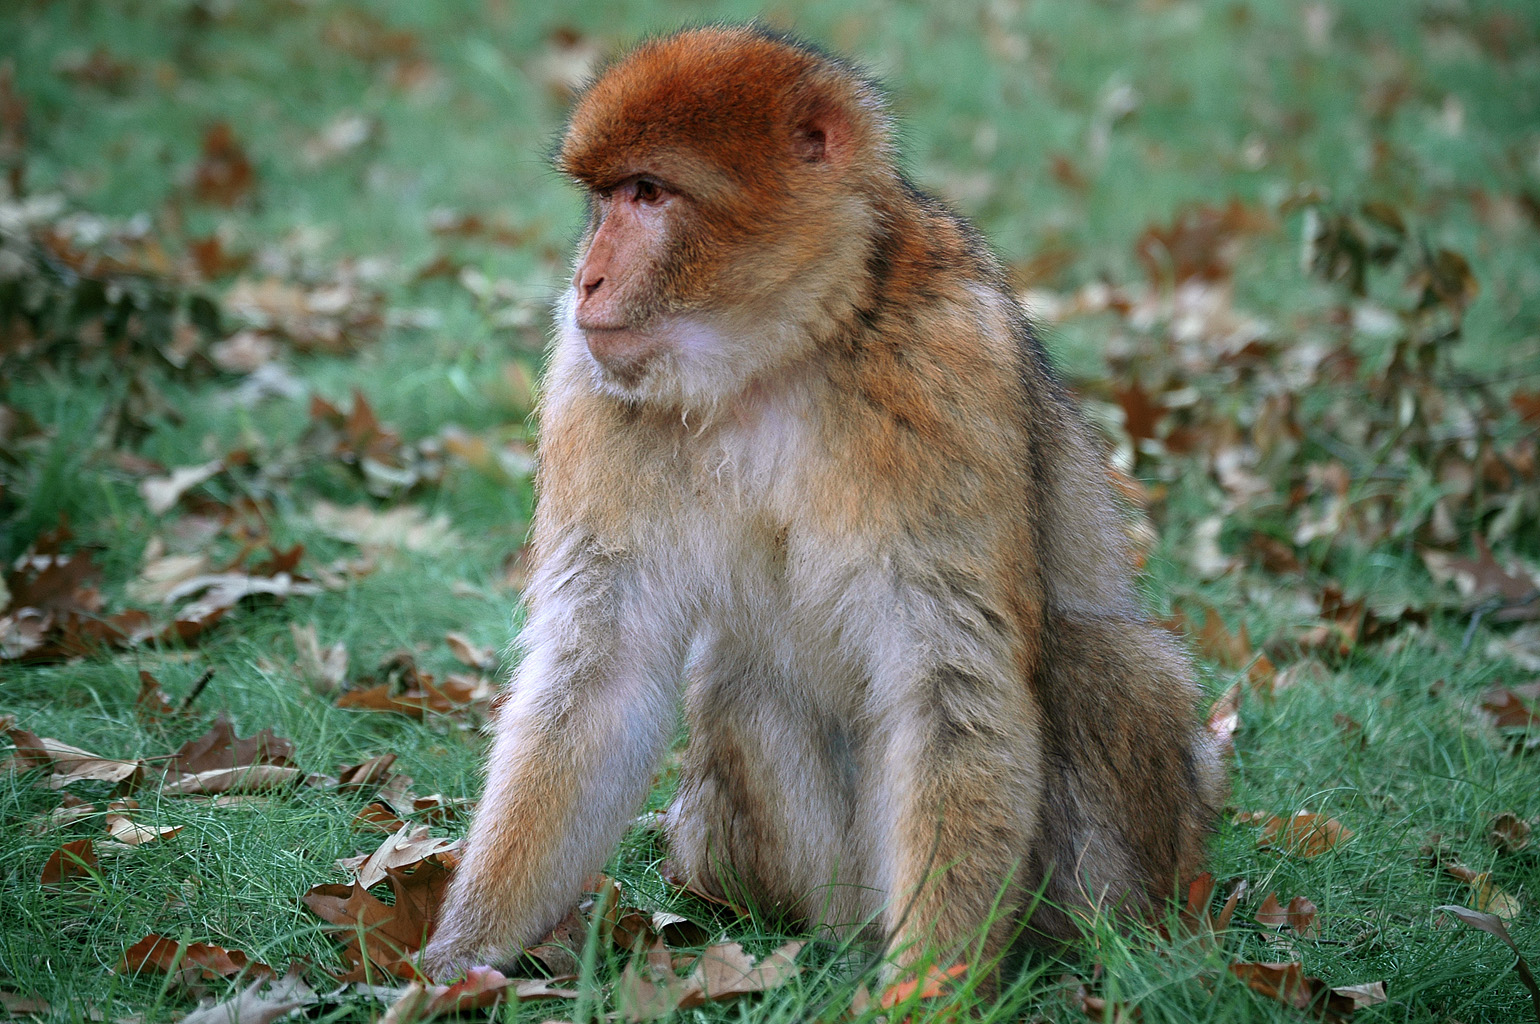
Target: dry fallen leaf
{"x": 1369, "y": 994}
{"x": 246, "y": 778}
{"x": 219, "y": 747}
{"x": 724, "y": 971}
{"x": 1483, "y": 578}
{"x": 161, "y": 574}
{"x": 1493, "y": 926}
{"x": 649, "y": 988}
{"x": 1303, "y": 835}
{"x": 68, "y": 764}
{"x": 125, "y": 830}
{"x": 162, "y": 493}
{"x": 214, "y": 594}
{"x": 224, "y": 175}
{"x": 408, "y": 845}
{"x": 1513, "y": 707}
{"x": 365, "y": 775}
{"x": 325, "y": 669}
{"x": 199, "y": 959}
{"x": 17, "y": 1005}
{"x": 262, "y": 1002}
{"x": 1288, "y": 984}
{"x": 481, "y": 988}
{"x": 386, "y": 935}
{"x": 1508, "y": 833}
{"x": 483, "y": 659}
{"x": 405, "y": 526}
{"x": 1488, "y": 897}
{"x": 72, "y": 860}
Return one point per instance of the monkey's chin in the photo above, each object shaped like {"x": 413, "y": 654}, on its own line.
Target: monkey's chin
{"x": 623, "y": 353}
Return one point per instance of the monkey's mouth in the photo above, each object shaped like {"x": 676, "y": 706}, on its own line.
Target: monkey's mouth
{"x": 622, "y": 352}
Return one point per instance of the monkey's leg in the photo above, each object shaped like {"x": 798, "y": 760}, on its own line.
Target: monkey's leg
{"x": 765, "y": 797}
{"x": 1138, "y": 778}
{"x": 961, "y": 786}
{"x": 577, "y": 741}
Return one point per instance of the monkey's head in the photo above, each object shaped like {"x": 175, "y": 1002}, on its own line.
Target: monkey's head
{"x": 728, "y": 172}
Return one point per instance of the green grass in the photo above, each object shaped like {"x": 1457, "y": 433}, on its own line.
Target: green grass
{"x": 1231, "y": 99}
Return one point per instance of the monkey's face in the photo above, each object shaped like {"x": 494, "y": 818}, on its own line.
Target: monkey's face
{"x": 679, "y": 300}
{"x": 616, "y": 293}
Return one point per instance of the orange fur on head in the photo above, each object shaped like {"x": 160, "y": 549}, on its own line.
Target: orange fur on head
{"x": 722, "y": 109}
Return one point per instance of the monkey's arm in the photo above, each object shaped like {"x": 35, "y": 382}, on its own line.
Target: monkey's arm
{"x": 963, "y": 759}
{"x": 589, "y": 713}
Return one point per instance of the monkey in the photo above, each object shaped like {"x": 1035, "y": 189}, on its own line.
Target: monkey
{"x": 804, "y": 469}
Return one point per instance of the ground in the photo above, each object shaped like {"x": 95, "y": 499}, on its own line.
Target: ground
{"x": 274, "y": 290}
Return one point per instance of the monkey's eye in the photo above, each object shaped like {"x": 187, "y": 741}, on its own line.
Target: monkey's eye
{"x": 648, "y": 191}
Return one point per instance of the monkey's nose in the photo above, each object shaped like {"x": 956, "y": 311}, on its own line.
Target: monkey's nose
{"x": 589, "y": 287}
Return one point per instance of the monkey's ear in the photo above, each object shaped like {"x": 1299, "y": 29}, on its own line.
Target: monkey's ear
{"x": 825, "y": 135}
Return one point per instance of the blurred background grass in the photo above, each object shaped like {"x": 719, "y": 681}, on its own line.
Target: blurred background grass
{"x": 1066, "y": 129}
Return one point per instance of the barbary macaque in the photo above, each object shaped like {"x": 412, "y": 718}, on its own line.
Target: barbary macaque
{"x": 802, "y": 458}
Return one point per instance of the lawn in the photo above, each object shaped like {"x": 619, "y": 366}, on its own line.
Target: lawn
{"x": 274, "y": 292}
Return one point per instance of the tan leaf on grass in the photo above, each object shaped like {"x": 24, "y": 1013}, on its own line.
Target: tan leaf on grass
{"x": 1485, "y": 893}
{"x": 1508, "y": 833}
{"x": 341, "y": 135}
{"x": 69, "y": 811}
{"x": 325, "y": 669}
{"x": 376, "y": 817}
{"x": 1080, "y": 998}
{"x": 365, "y": 775}
{"x": 72, "y": 860}
{"x": 1513, "y": 707}
{"x": 261, "y": 1002}
{"x": 161, "y": 493}
{"x": 245, "y": 778}
{"x": 224, "y": 175}
{"x": 124, "y": 829}
{"x": 722, "y": 971}
{"x": 335, "y": 317}
{"x": 725, "y": 971}
{"x": 650, "y": 989}
{"x": 481, "y": 988}
{"x": 68, "y": 764}
{"x": 216, "y": 593}
{"x": 1271, "y": 914}
{"x": 566, "y": 63}
{"x": 405, "y": 526}
{"x": 483, "y": 659}
{"x": 1482, "y": 577}
{"x": 162, "y": 574}
{"x": 15, "y": 1004}
{"x": 220, "y": 747}
{"x": 152, "y": 701}
{"x": 1369, "y": 994}
{"x": 408, "y": 845}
